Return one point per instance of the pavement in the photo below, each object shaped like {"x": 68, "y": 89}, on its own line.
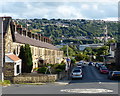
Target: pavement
{"x": 64, "y": 81}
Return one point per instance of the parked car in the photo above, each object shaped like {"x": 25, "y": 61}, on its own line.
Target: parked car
{"x": 98, "y": 65}
{"x": 104, "y": 69}
{"x": 114, "y": 75}
{"x": 80, "y": 67}
{"x": 90, "y": 63}
{"x": 76, "y": 73}
{"x": 80, "y": 64}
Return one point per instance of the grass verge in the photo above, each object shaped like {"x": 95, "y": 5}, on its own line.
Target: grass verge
{"x": 5, "y": 83}
{"x": 33, "y": 83}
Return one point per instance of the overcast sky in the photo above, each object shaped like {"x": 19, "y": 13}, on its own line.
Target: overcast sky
{"x": 62, "y": 10}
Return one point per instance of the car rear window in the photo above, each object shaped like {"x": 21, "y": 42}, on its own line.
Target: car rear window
{"x": 116, "y": 72}
{"x": 104, "y": 69}
{"x": 76, "y": 71}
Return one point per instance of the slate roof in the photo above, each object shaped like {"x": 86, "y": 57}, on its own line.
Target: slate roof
{"x": 27, "y": 40}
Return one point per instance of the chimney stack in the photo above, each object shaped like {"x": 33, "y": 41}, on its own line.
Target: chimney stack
{"x": 39, "y": 37}
{"x": 19, "y": 29}
{"x": 33, "y": 35}
{"x": 29, "y": 34}
{"x": 14, "y": 26}
{"x": 24, "y": 32}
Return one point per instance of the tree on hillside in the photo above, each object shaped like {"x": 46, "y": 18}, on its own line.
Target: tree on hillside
{"x": 110, "y": 41}
{"x": 71, "y": 52}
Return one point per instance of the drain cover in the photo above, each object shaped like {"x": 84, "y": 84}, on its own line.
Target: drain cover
{"x": 86, "y": 90}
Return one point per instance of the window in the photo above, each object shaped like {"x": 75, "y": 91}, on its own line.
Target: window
{"x": 18, "y": 69}
{"x": 9, "y": 48}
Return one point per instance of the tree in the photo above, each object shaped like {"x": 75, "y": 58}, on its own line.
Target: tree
{"x": 22, "y": 56}
{"x": 70, "y": 51}
{"x": 110, "y": 41}
{"x": 26, "y": 56}
{"x": 88, "y": 50}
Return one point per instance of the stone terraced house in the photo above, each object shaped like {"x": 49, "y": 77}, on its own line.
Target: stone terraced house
{"x": 43, "y": 51}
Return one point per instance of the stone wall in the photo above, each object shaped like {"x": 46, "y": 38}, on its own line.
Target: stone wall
{"x": 8, "y": 71}
{"x": 34, "y": 78}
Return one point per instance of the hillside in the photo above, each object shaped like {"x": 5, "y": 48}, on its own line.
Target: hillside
{"x": 78, "y": 31}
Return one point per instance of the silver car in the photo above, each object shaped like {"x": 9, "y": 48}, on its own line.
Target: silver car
{"x": 77, "y": 73}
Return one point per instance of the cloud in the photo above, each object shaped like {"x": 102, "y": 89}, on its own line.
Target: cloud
{"x": 85, "y": 6}
{"x": 65, "y": 10}
{"x": 111, "y": 19}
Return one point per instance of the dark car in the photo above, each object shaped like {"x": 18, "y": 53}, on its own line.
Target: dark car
{"x": 90, "y": 63}
{"x": 78, "y": 67}
{"x": 104, "y": 70}
{"x": 98, "y": 65}
{"x": 114, "y": 75}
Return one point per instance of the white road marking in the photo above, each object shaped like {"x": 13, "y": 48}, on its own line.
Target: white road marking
{"x": 86, "y": 90}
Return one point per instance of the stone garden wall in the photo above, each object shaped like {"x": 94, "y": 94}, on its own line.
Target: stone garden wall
{"x": 34, "y": 78}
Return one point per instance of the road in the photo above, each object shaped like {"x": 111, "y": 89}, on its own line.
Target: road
{"x": 92, "y": 82}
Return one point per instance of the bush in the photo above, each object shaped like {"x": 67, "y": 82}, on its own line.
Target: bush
{"x": 35, "y": 69}
{"x": 50, "y": 65}
{"x": 61, "y": 66}
{"x": 58, "y": 70}
{"x": 42, "y": 70}
{"x": 79, "y": 57}
{"x": 73, "y": 61}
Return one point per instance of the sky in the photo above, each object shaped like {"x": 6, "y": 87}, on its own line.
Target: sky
{"x": 105, "y": 10}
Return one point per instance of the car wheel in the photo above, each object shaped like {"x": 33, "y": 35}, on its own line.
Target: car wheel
{"x": 110, "y": 78}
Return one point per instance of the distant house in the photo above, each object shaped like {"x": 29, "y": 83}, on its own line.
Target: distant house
{"x": 82, "y": 47}
{"x": 111, "y": 57}
{"x": 112, "y": 49}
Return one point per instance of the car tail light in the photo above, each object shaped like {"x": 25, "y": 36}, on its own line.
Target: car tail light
{"x": 81, "y": 73}
{"x": 113, "y": 74}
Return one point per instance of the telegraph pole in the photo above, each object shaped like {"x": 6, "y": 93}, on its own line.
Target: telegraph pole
{"x": 106, "y": 35}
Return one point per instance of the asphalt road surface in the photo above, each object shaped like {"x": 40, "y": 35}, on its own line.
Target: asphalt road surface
{"x": 93, "y": 82}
